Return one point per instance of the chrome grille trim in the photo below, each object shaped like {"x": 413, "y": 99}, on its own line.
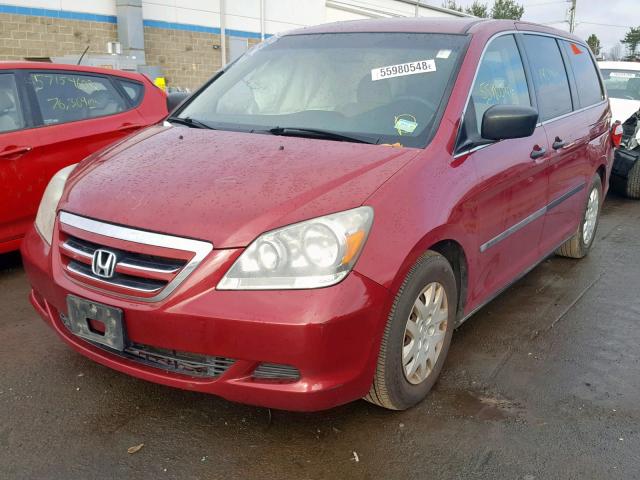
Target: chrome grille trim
{"x": 68, "y": 245}
{"x": 199, "y": 248}
{"x": 82, "y": 274}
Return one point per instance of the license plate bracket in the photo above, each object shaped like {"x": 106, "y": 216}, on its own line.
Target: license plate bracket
{"x": 82, "y": 312}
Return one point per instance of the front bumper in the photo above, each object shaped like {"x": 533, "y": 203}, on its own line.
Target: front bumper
{"x": 330, "y": 335}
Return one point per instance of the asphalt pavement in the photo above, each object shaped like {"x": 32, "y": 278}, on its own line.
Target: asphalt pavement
{"x": 543, "y": 383}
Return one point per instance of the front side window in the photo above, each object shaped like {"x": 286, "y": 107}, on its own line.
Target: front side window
{"x": 549, "y": 76}
{"x": 68, "y": 97}
{"x": 584, "y": 69}
{"x": 623, "y": 84}
{"x": 500, "y": 81}
{"x": 378, "y": 87}
{"x": 11, "y": 117}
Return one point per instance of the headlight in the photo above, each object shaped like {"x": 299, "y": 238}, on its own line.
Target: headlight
{"x": 46, "y": 217}
{"x": 311, "y": 254}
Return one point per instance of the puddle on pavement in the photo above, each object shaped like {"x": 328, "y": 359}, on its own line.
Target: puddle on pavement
{"x": 483, "y": 406}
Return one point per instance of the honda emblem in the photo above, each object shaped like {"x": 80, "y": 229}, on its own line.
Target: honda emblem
{"x": 104, "y": 263}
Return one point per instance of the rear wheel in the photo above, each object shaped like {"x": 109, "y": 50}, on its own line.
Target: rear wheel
{"x": 578, "y": 246}
{"x": 417, "y": 336}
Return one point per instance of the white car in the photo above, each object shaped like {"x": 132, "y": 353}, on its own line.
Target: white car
{"x": 622, "y": 80}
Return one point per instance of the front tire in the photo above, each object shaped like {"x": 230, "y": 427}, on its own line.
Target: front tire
{"x": 417, "y": 335}
{"x": 579, "y": 245}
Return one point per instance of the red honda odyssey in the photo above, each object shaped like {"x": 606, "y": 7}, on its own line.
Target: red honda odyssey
{"x": 310, "y": 227}
{"x": 52, "y": 116}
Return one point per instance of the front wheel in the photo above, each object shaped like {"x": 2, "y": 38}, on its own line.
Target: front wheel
{"x": 578, "y": 246}
{"x": 417, "y": 336}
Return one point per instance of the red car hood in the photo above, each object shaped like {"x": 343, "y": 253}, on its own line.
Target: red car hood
{"x": 226, "y": 187}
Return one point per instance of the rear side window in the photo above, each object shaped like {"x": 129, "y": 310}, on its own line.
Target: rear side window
{"x": 584, "y": 70}
{"x": 549, "y": 76}
{"x": 67, "y": 97}
{"x": 134, "y": 90}
{"x": 11, "y": 117}
{"x": 500, "y": 81}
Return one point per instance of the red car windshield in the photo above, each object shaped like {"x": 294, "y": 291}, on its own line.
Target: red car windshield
{"x": 373, "y": 87}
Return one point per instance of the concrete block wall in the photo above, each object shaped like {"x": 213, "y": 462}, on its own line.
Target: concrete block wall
{"x": 33, "y": 36}
{"x": 187, "y": 58}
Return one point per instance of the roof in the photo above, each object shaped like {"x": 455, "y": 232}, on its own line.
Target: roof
{"x": 460, "y": 25}
{"x": 620, "y": 65}
{"x": 396, "y": 24}
{"x": 13, "y": 65}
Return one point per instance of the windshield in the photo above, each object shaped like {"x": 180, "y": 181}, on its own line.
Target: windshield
{"x": 623, "y": 84}
{"x": 375, "y": 87}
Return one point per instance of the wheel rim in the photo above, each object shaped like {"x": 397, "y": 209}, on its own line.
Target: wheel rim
{"x": 424, "y": 333}
{"x": 591, "y": 216}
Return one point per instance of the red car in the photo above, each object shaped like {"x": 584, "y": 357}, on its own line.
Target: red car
{"x": 52, "y": 116}
{"x": 310, "y": 227}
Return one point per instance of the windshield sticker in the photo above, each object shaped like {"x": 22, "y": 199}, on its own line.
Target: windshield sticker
{"x": 443, "y": 54}
{"x": 405, "y": 123}
{"x": 402, "y": 69}
{"x": 622, "y": 75}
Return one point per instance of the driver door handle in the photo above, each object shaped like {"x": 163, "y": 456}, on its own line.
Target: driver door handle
{"x": 15, "y": 151}
{"x": 538, "y": 152}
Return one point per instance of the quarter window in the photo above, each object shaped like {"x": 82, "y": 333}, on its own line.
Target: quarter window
{"x": 587, "y": 80}
{"x": 11, "y": 117}
{"x": 134, "y": 90}
{"x": 549, "y": 76}
{"x": 500, "y": 81}
{"x": 67, "y": 97}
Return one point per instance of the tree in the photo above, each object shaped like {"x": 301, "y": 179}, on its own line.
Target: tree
{"x": 507, "y": 9}
{"x": 478, "y": 9}
{"x": 631, "y": 41}
{"x": 451, "y": 5}
{"x": 594, "y": 43}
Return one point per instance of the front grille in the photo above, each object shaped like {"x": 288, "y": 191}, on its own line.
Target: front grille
{"x": 275, "y": 371}
{"x": 180, "y": 362}
{"x": 149, "y": 266}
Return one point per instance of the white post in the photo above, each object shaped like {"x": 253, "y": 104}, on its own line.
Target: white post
{"x": 262, "y": 20}
{"x": 223, "y": 34}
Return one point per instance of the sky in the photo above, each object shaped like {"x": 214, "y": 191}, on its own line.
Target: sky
{"x": 608, "y": 19}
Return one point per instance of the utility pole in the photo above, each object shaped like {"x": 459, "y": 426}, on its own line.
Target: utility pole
{"x": 572, "y": 16}
{"x": 417, "y": 8}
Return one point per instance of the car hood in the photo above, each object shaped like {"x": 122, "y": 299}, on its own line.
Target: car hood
{"x": 622, "y": 109}
{"x": 226, "y": 187}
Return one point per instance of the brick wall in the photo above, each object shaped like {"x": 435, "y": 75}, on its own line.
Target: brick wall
{"x": 29, "y": 36}
{"x": 187, "y": 58}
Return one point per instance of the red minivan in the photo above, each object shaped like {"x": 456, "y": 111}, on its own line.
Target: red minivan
{"x": 310, "y": 227}
{"x": 52, "y": 116}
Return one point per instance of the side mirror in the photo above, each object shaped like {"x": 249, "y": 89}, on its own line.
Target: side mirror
{"x": 174, "y": 99}
{"x": 501, "y": 122}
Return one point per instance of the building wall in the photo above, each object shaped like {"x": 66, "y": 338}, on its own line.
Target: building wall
{"x": 23, "y": 36}
{"x": 187, "y": 58}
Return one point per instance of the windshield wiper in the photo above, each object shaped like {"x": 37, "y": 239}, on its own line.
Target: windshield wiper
{"x": 318, "y": 133}
{"x": 189, "y": 122}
